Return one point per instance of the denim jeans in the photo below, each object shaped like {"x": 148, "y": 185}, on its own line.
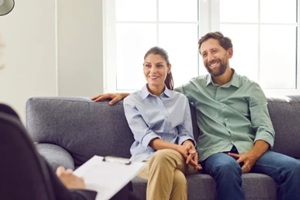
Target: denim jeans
{"x": 284, "y": 170}
{"x": 226, "y": 171}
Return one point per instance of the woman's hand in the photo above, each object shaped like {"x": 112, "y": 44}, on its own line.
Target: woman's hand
{"x": 188, "y": 151}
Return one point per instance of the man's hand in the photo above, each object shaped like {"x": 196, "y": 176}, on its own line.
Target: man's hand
{"x": 248, "y": 160}
{"x": 70, "y": 180}
{"x": 115, "y": 97}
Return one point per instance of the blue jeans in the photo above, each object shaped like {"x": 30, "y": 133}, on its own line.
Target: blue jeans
{"x": 227, "y": 172}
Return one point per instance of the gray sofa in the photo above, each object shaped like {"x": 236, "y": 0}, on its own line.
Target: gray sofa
{"x": 70, "y": 130}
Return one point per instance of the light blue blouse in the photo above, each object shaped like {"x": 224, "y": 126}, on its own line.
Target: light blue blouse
{"x": 166, "y": 117}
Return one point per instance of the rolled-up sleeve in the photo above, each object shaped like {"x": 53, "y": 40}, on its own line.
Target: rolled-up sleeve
{"x": 260, "y": 118}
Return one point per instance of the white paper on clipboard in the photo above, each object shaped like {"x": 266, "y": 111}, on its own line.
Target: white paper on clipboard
{"x": 108, "y": 175}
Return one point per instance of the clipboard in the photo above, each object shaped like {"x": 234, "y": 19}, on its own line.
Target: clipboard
{"x": 108, "y": 175}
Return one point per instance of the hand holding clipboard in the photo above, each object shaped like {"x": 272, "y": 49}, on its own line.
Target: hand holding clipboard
{"x": 107, "y": 175}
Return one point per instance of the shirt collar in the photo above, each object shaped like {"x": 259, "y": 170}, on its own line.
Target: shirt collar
{"x": 234, "y": 81}
{"x": 146, "y": 93}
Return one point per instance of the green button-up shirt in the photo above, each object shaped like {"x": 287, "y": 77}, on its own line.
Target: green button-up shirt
{"x": 235, "y": 113}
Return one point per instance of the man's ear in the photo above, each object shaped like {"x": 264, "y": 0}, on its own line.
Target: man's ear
{"x": 230, "y": 52}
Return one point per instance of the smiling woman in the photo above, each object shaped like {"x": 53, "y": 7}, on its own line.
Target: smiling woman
{"x": 160, "y": 121}
{"x": 157, "y": 70}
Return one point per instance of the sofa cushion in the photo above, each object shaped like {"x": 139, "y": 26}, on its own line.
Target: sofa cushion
{"x": 202, "y": 186}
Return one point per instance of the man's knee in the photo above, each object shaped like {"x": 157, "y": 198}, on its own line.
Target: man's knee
{"x": 223, "y": 167}
{"x": 228, "y": 168}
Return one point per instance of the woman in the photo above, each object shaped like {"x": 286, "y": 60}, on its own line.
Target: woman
{"x": 160, "y": 121}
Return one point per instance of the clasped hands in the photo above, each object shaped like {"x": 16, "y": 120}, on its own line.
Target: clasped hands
{"x": 188, "y": 151}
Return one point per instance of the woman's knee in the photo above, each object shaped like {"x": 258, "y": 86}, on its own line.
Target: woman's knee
{"x": 165, "y": 155}
{"x": 179, "y": 179}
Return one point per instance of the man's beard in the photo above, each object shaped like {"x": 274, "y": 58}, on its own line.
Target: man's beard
{"x": 221, "y": 70}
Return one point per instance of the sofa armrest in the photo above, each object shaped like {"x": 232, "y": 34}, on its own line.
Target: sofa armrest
{"x": 56, "y": 155}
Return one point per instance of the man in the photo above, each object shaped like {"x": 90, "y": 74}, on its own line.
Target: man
{"x": 237, "y": 132}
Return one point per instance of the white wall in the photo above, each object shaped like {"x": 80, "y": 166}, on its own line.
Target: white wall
{"x": 52, "y": 48}
{"x": 79, "y": 47}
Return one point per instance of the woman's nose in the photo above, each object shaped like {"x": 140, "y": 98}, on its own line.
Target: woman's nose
{"x": 153, "y": 69}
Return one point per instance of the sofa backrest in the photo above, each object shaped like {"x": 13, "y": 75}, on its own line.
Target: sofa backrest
{"x": 285, "y": 116}
{"x": 85, "y": 128}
